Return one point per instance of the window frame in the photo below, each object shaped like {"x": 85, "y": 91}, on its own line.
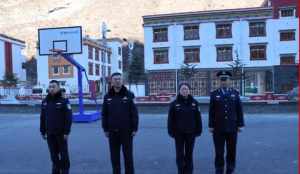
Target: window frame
{"x": 68, "y": 68}
{"x": 97, "y": 69}
{"x": 190, "y": 49}
{"x": 229, "y": 35}
{"x": 293, "y": 56}
{"x": 224, "y": 46}
{"x": 161, "y": 38}
{"x": 293, "y": 31}
{"x": 287, "y": 8}
{"x": 97, "y": 54}
{"x": 257, "y": 33}
{"x": 195, "y": 34}
{"x": 53, "y": 70}
{"x": 155, "y": 58}
{"x": 90, "y": 52}
{"x": 90, "y": 68}
{"x": 258, "y": 45}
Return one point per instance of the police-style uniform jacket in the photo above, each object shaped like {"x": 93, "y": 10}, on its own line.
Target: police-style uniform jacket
{"x": 56, "y": 115}
{"x": 184, "y": 117}
{"x": 119, "y": 111}
{"x": 225, "y": 110}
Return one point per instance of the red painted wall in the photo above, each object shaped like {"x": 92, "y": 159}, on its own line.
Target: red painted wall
{"x": 283, "y": 3}
{"x": 8, "y": 58}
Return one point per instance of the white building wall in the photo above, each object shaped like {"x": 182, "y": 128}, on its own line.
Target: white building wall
{"x": 42, "y": 71}
{"x": 207, "y": 43}
{"x": 18, "y": 58}
{"x": 115, "y": 57}
{"x": 138, "y": 90}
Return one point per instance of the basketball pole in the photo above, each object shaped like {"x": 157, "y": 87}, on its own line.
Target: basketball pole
{"x": 80, "y": 70}
{"x": 80, "y": 93}
{"x": 66, "y": 42}
{"x": 82, "y": 117}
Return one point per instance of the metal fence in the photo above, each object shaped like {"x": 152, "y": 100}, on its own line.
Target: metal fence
{"x": 15, "y": 91}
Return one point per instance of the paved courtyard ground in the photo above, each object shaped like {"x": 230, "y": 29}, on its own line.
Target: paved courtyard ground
{"x": 268, "y": 145}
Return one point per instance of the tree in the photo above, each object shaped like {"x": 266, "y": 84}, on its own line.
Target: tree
{"x": 9, "y": 80}
{"x": 136, "y": 71}
{"x": 188, "y": 71}
{"x": 31, "y": 70}
{"x": 237, "y": 68}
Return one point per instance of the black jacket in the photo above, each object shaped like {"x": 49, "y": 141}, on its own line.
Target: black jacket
{"x": 119, "y": 111}
{"x": 225, "y": 111}
{"x": 56, "y": 115}
{"x": 184, "y": 117}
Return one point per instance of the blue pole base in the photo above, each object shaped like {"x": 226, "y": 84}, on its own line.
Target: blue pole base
{"x": 86, "y": 117}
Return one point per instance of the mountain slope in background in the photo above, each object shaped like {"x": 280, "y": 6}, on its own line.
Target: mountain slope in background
{"x": 22, "y": 18}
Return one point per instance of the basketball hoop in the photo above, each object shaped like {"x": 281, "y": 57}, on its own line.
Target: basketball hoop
{"x": 66, "y": 40}
{"x": 55, "y": 53}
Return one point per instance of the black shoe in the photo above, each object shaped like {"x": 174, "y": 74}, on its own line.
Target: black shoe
{"x": 229, "y": 171}
{"x": 65, "y": 172}
{"x": 219, "y": 171}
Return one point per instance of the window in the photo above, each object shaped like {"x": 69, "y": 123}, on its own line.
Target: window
{"x": 191, "y": 32}
{"x": 224, "y": 53}
{"x": 258, "y": 52}
{"x": 90, "y": 53}
{"x": 66, "y": 69}
{"x": 109, "y": 58}
{"x": 287, "y": 12}
{"x": 97, "y": 69}
{"x": 109, "y": 71}
{"x": 223, "y": 31}
{"x": 257, "y": 29}
{"x": 287, "y": 59}
{"x": 191, "y": 55}
{"x": 97, "y": 54}
{"x": 120, "y": 64}
{"x": 55, "y": 70}
{"x": 160, "y": 34}
{"x": 161, "y": 56}
{"x": 103, "y": 71}
{"x": 103, "y": 56}
{"x": 287, "y": 35}
{"x": 91, "y": 69}
{"x": 120, "y": 51}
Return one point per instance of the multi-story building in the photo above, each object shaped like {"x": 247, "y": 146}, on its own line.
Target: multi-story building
{"x": 98, "y": 60}
{"x": 264, "y": 39}
{"x": 115, "y": 44}
{"x": 11, "y": 57}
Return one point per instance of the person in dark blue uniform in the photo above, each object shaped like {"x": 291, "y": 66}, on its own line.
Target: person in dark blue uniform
{"x": 184, "y": 125}
{"x": 55, "y": 127}
{"x": 225, "y": 121}
{"x": 120, "y": 123}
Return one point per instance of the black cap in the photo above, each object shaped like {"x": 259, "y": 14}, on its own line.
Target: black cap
{"x": 224, "y": 74}
{"x": 54, "y": 81}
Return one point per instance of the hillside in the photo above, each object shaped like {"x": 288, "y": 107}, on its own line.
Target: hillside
{"x": 22, "y": 18}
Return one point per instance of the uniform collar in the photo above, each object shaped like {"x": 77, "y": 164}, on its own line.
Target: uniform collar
{"x": 187, "y": 100}
{"x": 122, "y": 92}
{"x": 54, "y": 97}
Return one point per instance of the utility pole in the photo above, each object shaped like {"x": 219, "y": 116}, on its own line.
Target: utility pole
{"x": 104, "y": 31}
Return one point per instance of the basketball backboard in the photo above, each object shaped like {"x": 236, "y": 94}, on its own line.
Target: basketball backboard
{"x": 66, "y": 39}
